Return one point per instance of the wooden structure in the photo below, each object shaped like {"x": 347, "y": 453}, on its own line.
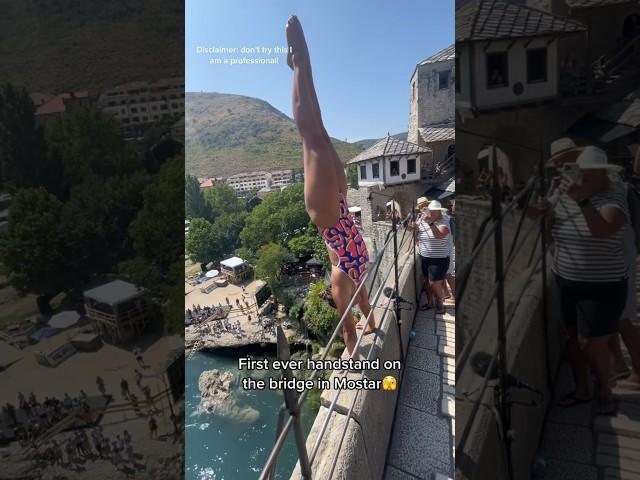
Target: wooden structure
{"x": 118, "y": 310}
{"x": 235, "y": 270}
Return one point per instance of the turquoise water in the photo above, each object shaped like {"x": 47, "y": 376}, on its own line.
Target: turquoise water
{"x": 234, "y": 445}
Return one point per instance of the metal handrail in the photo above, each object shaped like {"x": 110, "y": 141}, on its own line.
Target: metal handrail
{"x": 502, "y": 398}
{"x": 269, "y": 467}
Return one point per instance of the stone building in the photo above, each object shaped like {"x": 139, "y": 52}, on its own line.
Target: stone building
{"x": 138, "y": 105}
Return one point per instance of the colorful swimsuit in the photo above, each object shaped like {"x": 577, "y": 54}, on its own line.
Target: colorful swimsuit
{"x": 347, "y": 243}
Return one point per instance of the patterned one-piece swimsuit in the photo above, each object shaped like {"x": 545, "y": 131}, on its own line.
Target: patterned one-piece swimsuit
{"x": 347, "y": 243}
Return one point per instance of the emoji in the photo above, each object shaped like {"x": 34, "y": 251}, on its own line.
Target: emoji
{"x": 389, "y": 383}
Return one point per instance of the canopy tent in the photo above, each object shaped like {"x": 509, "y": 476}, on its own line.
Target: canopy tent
{"x": 64, "y": 319}
{"x": 212, "y": 274}
{"x": 232, "y": 262}
{"x": 355, "y": 209}
{"x": 113, "y": 293}
{"x": 314, "y": 262}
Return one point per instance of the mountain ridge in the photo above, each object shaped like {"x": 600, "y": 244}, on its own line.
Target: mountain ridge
{"x": 226, "y": 134}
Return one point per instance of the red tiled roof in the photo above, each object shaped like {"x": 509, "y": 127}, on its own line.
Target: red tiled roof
{"x": 55, "y": 105}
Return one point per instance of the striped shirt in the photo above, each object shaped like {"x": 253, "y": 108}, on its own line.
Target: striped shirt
{"x": 430, "y": 246}
{"x": 580, "y": 256}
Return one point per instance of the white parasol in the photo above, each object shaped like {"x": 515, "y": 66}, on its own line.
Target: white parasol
{"x": 64, "y": 319}
{"x": 212, "y": 273}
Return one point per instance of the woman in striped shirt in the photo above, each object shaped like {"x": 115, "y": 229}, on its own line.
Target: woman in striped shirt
{"x": 433, "y": 232}
{"x": 590, "y": 270}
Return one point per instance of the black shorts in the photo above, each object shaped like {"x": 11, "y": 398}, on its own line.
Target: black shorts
{"x": 593, "y": 308}
{"x": 435, "y": 268}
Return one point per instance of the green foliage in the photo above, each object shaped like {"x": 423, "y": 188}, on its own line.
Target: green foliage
{"x": 352, "y": 176}
{"x": 157, "y": 229}
{"x": 303, "y": 246}
{"x": 271, "y": 257}
{"x": 223, "y": 199}
{"x": 279, "y": 218}
{"x": 200, "y": 242}
{"x": 89, "y": 143}
{"x": 319, "y": 317}
{"x": 39, "y": 250}
{"x": 22, "y": 152}
{"x": 194, "y": 202}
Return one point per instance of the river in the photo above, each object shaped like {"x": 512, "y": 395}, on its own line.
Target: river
{"x": 234, "y": 445}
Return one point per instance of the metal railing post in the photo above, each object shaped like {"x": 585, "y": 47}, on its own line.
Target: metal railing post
{"x": 505, "y": 414}
{"x": 394, "y": 226}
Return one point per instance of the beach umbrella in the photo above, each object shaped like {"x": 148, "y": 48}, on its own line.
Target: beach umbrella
{"x": 64, "y": 319}
{"x": 212, "y": 273}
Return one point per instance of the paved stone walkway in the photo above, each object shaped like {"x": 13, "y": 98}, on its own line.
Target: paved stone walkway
{"x": 578, "y": 444}
{"x": 422, "y": 445}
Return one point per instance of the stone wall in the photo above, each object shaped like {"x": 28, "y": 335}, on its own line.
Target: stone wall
{"x": 361, "y": 452}
{"x": 533, "y": 342}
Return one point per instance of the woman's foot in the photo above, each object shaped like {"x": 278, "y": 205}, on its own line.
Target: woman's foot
{"x": 298, "y": 54}
{"x": 632, "y": 382}
{"x": 371, "y": 326}
{"x": 573, "y": 399}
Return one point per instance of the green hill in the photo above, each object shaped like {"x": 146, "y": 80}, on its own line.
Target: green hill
{"x": 229, "y": 134}
{"x": 367, "y": 142}
{"x": 63, "y": 45}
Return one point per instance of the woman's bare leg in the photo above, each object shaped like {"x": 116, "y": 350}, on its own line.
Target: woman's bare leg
{"x": 322, "y": 181}
{"x": 341, "y": 291}
{"x": 365, "y": 308}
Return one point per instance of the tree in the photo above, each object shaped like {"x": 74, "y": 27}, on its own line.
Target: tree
{"x": 271, "y": 257}
{"x": 157, "y": 229}
{"x": 194, "y": 202}
{"x": 279, "y": 218}
{"x": 310, "y": 244}
{"x": 223, "y": 199}
{"x": 319, "y": 317}
{"x": 22, "y": 148}
{"x": 89, "y": 143}
{"x": 40, "y": 250}
{"x": 200, "y": 242}
{"x": 352, "y": 176}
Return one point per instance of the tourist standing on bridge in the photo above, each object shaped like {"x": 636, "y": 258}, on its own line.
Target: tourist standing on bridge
{"x": 325, "y": 191}
{"x": 588, "y": 215}
{"x": 433, "y": 235}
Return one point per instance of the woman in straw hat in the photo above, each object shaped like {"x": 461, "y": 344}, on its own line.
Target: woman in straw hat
{"x": 325, "y": 191}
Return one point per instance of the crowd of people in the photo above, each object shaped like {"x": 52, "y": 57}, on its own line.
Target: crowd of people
{"x": 31, "y": 417}
{"x": 71, "y": 451}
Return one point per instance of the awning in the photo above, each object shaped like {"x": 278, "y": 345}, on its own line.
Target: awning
{"x": 355, "y": 209}
{"x": 599, "y": 131}
{"x": 444, "y": 190}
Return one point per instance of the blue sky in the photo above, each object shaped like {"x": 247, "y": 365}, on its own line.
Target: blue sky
{"x": 362, "y": 52}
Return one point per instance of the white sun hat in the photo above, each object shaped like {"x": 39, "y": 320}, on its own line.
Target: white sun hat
{"x": 435, "y": 205}
{"x": 594, "y": 158}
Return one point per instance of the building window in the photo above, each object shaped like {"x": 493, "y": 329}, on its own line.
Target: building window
{"x": 536, "y": 65}
{"x": 497, "y": 70}
{"x": 443, "y": 80}
{"x": 413, "y": 91}
{"x": 394, "y": 167}
{"x": 363, "y": 172}
{"x": 375, "y": 170}
{"x": 456, "y": 75}
{"x": 411, "y": 165}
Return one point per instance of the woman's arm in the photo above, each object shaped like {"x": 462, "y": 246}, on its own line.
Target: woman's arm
{"x": 602, "y": 223}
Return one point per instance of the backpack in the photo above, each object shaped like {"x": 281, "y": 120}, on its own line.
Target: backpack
{"x": 633, "y": 201}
